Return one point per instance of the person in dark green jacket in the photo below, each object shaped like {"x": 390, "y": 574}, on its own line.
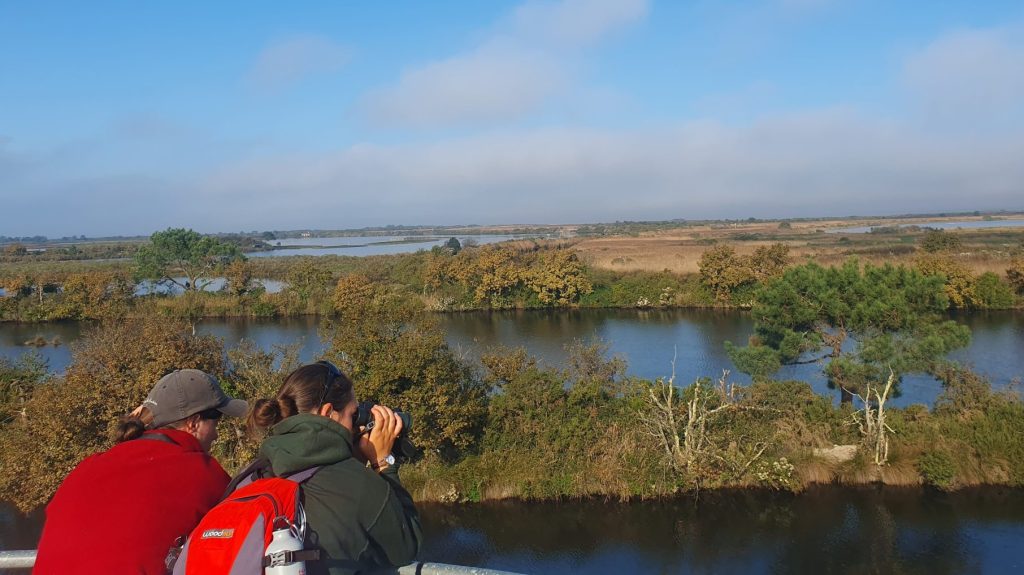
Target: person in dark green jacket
{"x": 358, "y": 514}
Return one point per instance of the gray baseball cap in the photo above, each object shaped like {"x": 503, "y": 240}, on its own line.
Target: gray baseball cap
{"x": 186, "y": 392}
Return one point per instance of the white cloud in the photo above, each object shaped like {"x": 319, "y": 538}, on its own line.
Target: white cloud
{"x": 290, "y": 60}
{"x": 575, "y": 23}
{"x": 826, "y": 162}
{"x": 497, "y": 81}
{"x": 514, "y": 71}
{"x": 971, "y": 74}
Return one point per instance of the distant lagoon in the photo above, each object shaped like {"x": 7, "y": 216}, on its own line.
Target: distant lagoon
{"x": 372, "y": 245}
{"x": 967, "y": 225}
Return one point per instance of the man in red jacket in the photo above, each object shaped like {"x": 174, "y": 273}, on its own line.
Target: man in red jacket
{"x": 122, "y": 510}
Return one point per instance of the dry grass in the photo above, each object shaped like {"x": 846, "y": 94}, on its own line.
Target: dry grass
{"x": 900, "y": 473}
{"x": 816, "y": 471}
{"x": 680, "y": 250}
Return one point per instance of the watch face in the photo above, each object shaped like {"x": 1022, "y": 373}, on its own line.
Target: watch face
{"x": 390, "y": 459}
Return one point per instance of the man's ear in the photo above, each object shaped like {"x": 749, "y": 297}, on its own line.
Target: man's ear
{"x": 325, "y": 410}
{"x": 192, "y": 423}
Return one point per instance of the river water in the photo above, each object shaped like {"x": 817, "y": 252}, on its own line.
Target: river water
{"x": 647, "y": 340}
{"x": 823, "y": 530}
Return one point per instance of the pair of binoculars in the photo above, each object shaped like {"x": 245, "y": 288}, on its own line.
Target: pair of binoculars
{"x": 403, "y": 448}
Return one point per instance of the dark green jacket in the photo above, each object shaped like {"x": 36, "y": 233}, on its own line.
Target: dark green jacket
{"x": 359, "y": 519}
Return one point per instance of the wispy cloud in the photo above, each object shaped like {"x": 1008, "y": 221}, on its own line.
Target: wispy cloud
{"x": 289, "y": 60}
{"x": 574, "y": 23}
{"x": 495, "y": 82}
{"x": 824, "y": 162}
{"x": 971, "y": 74}
{"x": 522, "y": 63}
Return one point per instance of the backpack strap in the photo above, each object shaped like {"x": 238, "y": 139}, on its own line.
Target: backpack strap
{"x": 284, "y": 557}
{"x": 157, "y": 437}
{"x": 247, "y": 475}
{"x": 261, "y": 468}
{"x": 304, "y": 475}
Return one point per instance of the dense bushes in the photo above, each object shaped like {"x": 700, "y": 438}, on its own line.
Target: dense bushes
{"x": 72, "y": 416}
{"x": 515, "y": 276}
{"x": 514, "y": 428}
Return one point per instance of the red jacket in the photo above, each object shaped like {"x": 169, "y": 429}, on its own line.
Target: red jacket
{"x": 121, "y": 510}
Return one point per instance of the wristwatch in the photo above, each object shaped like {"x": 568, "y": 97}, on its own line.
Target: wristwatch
{"x": 386, "y": 462}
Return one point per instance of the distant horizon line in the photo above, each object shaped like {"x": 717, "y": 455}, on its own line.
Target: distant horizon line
{"x": 449, "y": 227}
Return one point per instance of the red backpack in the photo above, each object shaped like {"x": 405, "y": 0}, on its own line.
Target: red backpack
{"x": 232, "y": 538}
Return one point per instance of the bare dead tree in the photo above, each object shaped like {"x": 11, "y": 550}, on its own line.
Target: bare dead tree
{"x": 681, "y": 427}
{"x": 871, "y": 420}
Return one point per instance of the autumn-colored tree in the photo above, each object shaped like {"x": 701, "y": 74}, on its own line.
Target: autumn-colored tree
{"x": 768, "y": 262}
{"x": 178, "y": 251}
{"x": 559, "y": 278}
{"x": 112, "y": 369}
{"x": 937, "y": 241}
{"x": 498, "y": 274}
{"x": 722, "y": 271}
{"x": 93, "y": 295}
{"x": 1015, "y": 275}
{"x": 18, "y": 380}
{"x": 356, "y": 292}
{"x": 18, "y": 285}
{"x": 725, "y": 272}
{"x": 958, "y": 280}
{"x": 238, "y": 279}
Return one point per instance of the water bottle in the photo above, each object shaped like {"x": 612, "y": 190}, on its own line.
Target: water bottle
{"x": 284, "y": 539}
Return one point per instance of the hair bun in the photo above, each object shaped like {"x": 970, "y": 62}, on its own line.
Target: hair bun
{"x": 128, "y": 428}
{"x": 265, "y": 413}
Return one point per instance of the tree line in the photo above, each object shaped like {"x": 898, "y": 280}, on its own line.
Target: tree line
{"x": 520, "y": 275}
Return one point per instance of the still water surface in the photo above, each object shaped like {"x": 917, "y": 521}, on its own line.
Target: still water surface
{"x": 647, "y": 340}
{"x": 824, "y": 530}
{"x": 966, "y": 225}
{"x": 371, "y": 245}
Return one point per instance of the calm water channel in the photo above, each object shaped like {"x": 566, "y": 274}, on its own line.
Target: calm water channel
{"x": 824, "y": 530}
{"x": 646, "y": 339}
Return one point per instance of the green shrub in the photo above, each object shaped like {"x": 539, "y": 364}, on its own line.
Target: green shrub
{"x": 992, "y": 292}
{"x": 937, "y": 469}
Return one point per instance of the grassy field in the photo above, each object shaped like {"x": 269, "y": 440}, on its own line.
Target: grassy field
{"x": 679, "y": 250}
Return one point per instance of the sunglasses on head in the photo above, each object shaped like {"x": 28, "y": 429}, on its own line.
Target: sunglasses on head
{"x": 334, "y": 373}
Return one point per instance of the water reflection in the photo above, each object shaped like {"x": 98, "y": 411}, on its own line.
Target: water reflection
{"x": 646, "y": 339}
{"x": 826, "y": 530}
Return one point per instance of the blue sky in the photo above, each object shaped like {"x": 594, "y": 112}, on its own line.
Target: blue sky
{"x": 125, "y": 118}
